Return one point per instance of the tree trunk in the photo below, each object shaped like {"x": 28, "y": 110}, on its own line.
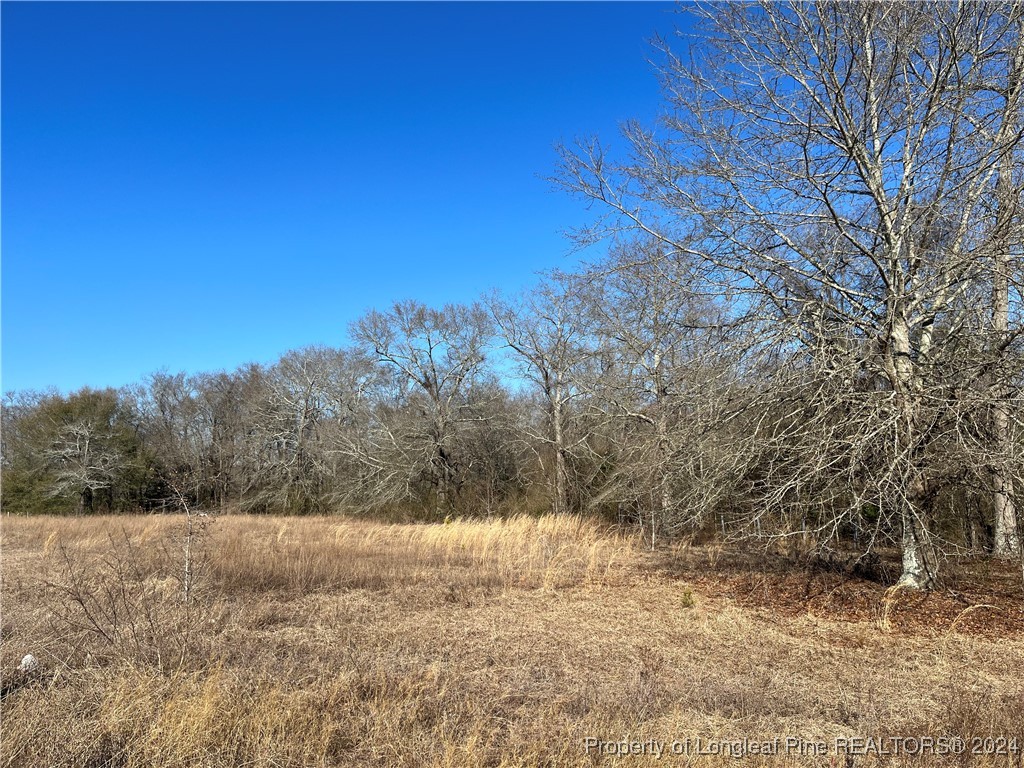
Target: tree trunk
{"x": 561, "y": 502}
{"x": 1007, "y": 542}
{"x": 917, "y": 573}
{"x": 443, "y": 463}
{"x": 918, "y": 564}
{"x": 664, "y": 492}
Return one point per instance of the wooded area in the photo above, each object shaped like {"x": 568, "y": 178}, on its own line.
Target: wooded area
{"x": 807, "y": 325}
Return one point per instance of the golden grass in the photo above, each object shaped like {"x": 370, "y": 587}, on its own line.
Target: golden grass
{"x": 326, "y": 641}
{"x": 317, "y": 553}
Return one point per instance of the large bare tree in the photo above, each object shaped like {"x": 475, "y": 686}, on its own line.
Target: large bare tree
{"x": 439, "y": 354}
{"x": 546, "y": 334}
{"x": 834, "y": 163}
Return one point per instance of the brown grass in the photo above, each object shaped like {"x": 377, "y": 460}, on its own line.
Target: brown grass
{"x": 325, "y": 641}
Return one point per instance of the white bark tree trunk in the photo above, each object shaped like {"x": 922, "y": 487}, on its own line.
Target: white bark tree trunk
{"x": 1007, "y": 541}
{"x": 918, "y": 567}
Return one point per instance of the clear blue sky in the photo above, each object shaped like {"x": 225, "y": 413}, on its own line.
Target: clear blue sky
{"x": 195, "y": 186}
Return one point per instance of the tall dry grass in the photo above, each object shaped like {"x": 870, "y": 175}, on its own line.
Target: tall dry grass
{"x": 331, "y": 642}
{"x": 320, "y": 553}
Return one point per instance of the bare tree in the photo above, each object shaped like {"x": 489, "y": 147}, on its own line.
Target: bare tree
{"x": 496, "y": 448}
{"x": 832, "y": 164}
{"x": 229, "y": 405}
{"x": 662, "y": 347}
{"x": 374, "y": 463}
{"x": 170, "y": 407}
{"x": 544, "y": 330}
{"x": 439, "y": 353}
{"x": 293, "y": 426}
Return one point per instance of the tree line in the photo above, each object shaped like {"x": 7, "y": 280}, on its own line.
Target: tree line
{"x": 560, "y": 399}
{"x": 807, "y": 323}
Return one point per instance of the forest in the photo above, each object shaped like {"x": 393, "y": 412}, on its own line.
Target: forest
{"x": 805, "y": 327}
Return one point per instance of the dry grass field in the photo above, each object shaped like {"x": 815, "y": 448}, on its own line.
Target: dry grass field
{"x": 326, "y": 641}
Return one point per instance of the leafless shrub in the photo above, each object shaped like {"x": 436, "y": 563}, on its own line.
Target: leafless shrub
{"x": 134, "y": 601}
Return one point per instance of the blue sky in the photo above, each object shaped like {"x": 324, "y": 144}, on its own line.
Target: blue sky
{"x": 193, "y": 186}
